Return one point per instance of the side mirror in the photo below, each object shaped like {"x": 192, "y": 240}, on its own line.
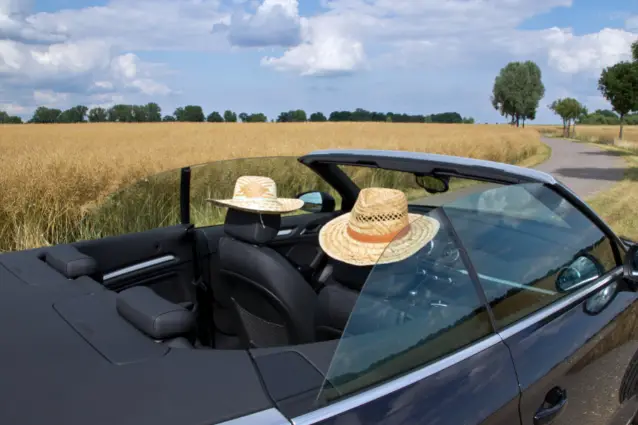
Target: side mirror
{"x": 317, "y": 202}
{"x": 579, "y": 272}
{"x": 433, "y": 184}
{"x": 630, "y": 265}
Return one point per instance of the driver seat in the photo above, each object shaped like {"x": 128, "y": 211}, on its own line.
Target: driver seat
{"x": 272, "y": 302}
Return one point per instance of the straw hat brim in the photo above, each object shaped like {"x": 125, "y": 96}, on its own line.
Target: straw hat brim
{"x": 275, "y": 206}
{"x": 335, "y": 242}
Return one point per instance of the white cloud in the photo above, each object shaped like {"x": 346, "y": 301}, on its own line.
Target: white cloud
{"x": 14, "y": 25}
{"x": 588, "y": 53}
{"x": 13, "y": 109}
{"x": 141, "y": 24}
{"x": 324, "y": 51}
{"x": 14, "y": 7}
{"x": 275, "y": 23}
{"x": 49, "y": 98}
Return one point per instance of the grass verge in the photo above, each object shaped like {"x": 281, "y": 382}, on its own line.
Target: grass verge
{"x": 617, "y": 205}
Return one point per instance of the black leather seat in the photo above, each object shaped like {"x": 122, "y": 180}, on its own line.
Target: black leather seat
{"x": 273, "y": 303}
{"x": 342, "y": 294}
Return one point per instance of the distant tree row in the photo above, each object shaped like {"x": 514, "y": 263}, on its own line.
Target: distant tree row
{"x": 152, "y": 112}
{"x": 362, "y": 115}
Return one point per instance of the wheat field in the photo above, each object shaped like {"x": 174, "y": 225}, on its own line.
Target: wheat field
{"x": 607, "y": 134}
{"x": 55, "y": 179}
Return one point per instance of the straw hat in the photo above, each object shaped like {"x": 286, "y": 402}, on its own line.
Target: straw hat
{"x": 379, "y": 230}
{"x": 258, "y": 194}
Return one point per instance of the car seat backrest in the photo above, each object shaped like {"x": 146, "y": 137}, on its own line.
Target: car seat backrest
{"x": 273, "y": 303}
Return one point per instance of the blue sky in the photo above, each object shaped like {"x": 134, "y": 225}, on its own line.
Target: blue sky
{"x": 413, "y": 56}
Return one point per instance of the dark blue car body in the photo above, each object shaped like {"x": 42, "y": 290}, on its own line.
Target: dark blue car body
{"x": 69, "y": 357}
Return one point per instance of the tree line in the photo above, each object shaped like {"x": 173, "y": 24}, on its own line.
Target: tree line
{"x": 362, "y": 115}
{"x": 152, "y": 112}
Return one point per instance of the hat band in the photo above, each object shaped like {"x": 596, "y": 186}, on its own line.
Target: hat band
{"x": 388, "y": 237}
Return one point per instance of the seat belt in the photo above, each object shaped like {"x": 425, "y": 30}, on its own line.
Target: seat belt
{"x": 203, "y": 296}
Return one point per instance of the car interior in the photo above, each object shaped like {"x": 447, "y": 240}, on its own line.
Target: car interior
{"x": 255, "y": 281}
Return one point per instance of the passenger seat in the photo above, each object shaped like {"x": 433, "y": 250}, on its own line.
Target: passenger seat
{"x": 340, "y": 296}
{"x": 272, "y": 302}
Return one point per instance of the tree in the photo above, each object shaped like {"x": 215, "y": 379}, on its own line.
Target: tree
{"x": 258, "y": 117}
{"x": 298, "y": 115}
{"x": 44, "y": 115}
{"x": 634, "y": 50}
{"x": 153, "y": 112}
{"x": 169, "y": 118}
{"x": 318, "y": 117}
{"x": 214, "y": 117}
{"x": 619, "y": 85}
{"x": 569, "y": 109}
{"x": 230, "y": 116}
{"x": 120, "y": 113}
{"x": 243, "y": 117}
{"x": 9, "y": 119}
{"x": 75, "y": 114}
{"x": 446, "y": 117}
{"x": 518, "y": 90}
{"x": 139, "y": 113}
{"x": 98, "y": 115}
{"x": 190, "y": 113}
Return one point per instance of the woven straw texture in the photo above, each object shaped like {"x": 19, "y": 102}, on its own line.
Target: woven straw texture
{"x": 258, "y": 194}
{"x": 379, "y": 230}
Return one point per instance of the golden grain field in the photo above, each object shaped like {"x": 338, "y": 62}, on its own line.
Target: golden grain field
{"x": 594, "y": 133}
{"x": 55, "y": 176}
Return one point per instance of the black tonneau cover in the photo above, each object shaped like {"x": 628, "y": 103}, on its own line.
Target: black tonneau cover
{"x": 67, "y": 357}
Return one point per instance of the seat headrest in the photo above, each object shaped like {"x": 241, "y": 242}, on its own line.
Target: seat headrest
{"x": 251, "y": 227}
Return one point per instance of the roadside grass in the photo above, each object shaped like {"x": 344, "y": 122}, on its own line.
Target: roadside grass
{"x": 617, "y": 205}
{"x": 604, "y": 134}
{"x": 61, "y": 183}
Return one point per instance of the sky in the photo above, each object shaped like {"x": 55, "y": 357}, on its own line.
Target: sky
{"x": 403, "y": 56}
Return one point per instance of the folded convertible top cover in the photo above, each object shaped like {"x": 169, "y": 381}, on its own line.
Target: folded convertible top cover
{"x": 152, "y": 314}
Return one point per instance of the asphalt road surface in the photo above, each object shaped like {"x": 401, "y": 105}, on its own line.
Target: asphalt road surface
{"x": 586, "y": 169}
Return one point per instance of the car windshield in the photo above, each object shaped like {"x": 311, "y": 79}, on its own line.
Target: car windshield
{"x": 424, "y": 297}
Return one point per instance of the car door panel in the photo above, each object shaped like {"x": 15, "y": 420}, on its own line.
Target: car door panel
{"x": 585, "y": 355}
{"x": 453, "y": 394}
{"x": 159, "y": 258}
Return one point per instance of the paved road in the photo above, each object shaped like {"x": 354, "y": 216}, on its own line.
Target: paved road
{"x": 584, "y": 168}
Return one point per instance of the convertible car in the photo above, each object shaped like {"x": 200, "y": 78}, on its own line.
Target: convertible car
{"x": 520, "y": 308}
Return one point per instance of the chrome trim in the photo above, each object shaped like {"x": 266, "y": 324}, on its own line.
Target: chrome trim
{"x": 560, "y": 304}
{"x": 394, "y": 385}
{"x": 139, "y": 266}
{"x": 538, "y": 176}
{"x": 270, "y": 416}
{"x": 284, "y": 232}
{"x": 510, "y": 283}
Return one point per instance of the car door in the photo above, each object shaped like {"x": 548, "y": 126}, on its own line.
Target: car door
{"x": 553, "y": 281}
{"x": 137, "y": 238}
{"x": 161, "y": 259}
{"x": 403, "y": 359}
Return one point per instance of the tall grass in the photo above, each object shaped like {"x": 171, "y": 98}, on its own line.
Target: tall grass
{"x": 606, "y": 134}
{"x": 60, "y": 183}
